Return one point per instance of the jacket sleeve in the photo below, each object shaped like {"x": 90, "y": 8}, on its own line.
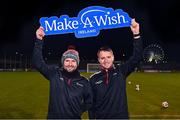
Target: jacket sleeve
{"x": 88, "y": 96}
{"x": 135, "y": 59}
{"x": 39, "y": 62}
{"x": 91, "y": 112}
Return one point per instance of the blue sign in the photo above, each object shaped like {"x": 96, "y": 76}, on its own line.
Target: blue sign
{"x": 88, "y": 23}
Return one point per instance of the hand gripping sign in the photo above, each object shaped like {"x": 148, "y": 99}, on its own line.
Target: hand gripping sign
{"x": 88, "y": 23}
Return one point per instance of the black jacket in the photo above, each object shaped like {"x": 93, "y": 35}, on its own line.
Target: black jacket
{"x": 110, "y": 100}
{"x": 70, "y": 93}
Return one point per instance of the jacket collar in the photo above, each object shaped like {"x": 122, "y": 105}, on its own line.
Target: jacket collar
{"x": 70, "y": 75}
{"x": 106, "y": 70}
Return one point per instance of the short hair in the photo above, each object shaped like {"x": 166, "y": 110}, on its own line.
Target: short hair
{"x": 104, "y": 48}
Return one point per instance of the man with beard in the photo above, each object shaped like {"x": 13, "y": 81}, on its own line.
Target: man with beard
{"x": 70, "y": 93}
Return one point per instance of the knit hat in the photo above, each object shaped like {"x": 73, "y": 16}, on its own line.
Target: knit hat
{"x": 70, "y": 53}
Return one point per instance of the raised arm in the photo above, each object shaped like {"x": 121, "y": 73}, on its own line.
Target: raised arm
{"x": 135, "y": 59}
{"x": 135, "y": 29}
{"x": 37, "y": 57}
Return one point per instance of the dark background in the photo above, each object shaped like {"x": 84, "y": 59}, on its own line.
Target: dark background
{"x": 159, "y": 24}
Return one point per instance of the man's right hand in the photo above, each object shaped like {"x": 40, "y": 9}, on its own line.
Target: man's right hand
{"x": 40, "y": 33}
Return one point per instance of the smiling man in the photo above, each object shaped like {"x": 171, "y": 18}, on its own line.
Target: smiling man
{"x": 70, "y": 93}
{"x": 109, "y": 84}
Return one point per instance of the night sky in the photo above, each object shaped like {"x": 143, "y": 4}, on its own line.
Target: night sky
{"x": 159, "y": 24}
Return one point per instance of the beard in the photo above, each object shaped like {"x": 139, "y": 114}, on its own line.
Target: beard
{"x": 70, "y": 68}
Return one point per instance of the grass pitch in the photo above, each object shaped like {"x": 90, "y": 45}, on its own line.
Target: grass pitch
{"x": 24, "y": 95}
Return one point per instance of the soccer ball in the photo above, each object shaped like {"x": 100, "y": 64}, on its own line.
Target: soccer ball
{"x": 137, "y": 88}
{"x": 129, "y": 82}
{"x": 165, "y": 104}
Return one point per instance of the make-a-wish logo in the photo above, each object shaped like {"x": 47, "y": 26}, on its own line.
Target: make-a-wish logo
{"x": 88, "y": 23}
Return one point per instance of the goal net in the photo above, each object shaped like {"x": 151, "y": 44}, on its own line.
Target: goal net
{"x": 93, "y": 67}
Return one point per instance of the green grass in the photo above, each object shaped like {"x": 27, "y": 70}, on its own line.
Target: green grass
{"x": 25, "y": 95}
{"x": 154, "y": 88}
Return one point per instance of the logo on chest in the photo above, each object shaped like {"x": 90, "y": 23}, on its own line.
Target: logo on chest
{"x": 79, "y": 84}
{"x": 98, "y": 82}
{"x": 114, "y": 74}
{"x": 62, "y": 79}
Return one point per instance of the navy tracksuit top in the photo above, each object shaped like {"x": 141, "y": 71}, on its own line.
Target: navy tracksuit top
{"x": 109, "y": 88}
{"x": 70, "y": 93}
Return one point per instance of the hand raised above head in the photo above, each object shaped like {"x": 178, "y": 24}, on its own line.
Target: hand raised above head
{"x": 134, "y": 27}
{"x": 40, "y": 33}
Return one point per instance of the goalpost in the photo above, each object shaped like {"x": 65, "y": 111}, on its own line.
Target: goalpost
{"x": 93, "y": 67}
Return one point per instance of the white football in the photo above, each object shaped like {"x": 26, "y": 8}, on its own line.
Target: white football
{"x": 165, "y": 104}
{"x": 129, "y": 82}
{"x": 137, "y": 89}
